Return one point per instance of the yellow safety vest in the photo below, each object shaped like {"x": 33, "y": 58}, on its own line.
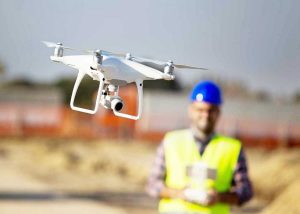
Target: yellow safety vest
{"x": 180, "y": 151}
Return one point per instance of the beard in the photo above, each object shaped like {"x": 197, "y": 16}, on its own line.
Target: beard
{"x": 204, "y": 126}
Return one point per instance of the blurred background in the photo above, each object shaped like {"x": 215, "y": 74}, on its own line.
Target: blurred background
{"x": 53, "y": 159}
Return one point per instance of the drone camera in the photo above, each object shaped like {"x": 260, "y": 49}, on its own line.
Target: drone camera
{"x": 117, "y": 104}
{"x": 112, "y": 102}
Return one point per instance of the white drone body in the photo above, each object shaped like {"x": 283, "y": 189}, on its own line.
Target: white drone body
{"x": 112, "y": 71}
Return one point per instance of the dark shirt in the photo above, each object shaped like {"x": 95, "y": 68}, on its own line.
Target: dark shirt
{"x": 241, "y": 184}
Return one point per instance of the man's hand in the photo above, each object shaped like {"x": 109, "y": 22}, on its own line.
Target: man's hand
{"x": 212, "y": 198}
{"x": 172, "y": 193}
{"x": 229, "y": 198}
{"x": 202, "y": 197}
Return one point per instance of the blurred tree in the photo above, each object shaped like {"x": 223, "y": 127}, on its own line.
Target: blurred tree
{"x": 21, "y": 82}
{"x": 85, "y": 92}
{"x": 2, "y": 68}
{"x": 173, "y": 85}
{"x": 66, "y": 86}
{"x": 263, "y": 96}
{"x": 2, "y": 72}
{"x": 296, "y": 97}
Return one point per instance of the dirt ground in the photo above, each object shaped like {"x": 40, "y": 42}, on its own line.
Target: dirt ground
{"x": 74, "y": 176}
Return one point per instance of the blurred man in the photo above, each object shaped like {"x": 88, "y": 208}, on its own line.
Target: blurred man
{"x": 197, "y": 170}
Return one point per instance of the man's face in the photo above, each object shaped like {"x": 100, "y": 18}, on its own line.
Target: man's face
{"x": 204, "y": 116}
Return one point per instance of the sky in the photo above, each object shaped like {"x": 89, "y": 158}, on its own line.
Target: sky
{"x": 255, "y": 42}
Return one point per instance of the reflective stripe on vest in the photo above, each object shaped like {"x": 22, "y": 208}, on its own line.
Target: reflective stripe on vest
{"x": 181, "y": 151}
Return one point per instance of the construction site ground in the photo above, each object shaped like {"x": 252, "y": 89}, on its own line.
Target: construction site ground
{"x": 109, "y": 176}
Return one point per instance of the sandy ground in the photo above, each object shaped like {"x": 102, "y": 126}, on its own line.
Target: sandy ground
{"x": 39, "y": 177}
{"x": 55, "y": 176}
{"x": 15, "y": 182}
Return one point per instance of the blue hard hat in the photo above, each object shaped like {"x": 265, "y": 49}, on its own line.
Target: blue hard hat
{"x": 207, "y": 91}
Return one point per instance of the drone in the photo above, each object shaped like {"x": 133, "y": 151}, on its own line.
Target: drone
{"x": 113, "y": 70}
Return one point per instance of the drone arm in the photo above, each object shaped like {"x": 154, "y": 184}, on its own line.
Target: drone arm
{"x": 139, "y": 85}
{"x": 80, "y": 76}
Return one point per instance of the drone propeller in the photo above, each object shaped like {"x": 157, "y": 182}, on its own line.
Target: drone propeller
{"x": 53, "y": 45}
{"x": 161, "y": 64}
{"x": 188, "y": 67}
{"x": 141, "y": 59}
{"x": 112, "y": 53}
{"x": 101, "y": 52}
{"x": 49, "y": 44}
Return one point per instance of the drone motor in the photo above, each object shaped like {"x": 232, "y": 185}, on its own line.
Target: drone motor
{"x": 169, "y": 68}
{"x": 98, "y": 57}
{"x": 128, "y": 56}
{"x": 58, "y": 51}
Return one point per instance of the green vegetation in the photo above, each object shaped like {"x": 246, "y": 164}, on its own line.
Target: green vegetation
{"x": 85, "y": 93}
{"x": 296, "y": 97}
{"x": 2, "y": 68}
{"x": 163, "y": 85}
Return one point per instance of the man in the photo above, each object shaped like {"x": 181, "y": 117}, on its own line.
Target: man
{"x": 197, "y": 170}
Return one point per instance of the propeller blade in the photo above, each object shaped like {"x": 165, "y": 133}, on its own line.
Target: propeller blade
{"x": 162, "y": 64}
{"x": 49, "y": 44}
{"x": 53, "y": 45}
{"x": 76, "y": 49}
{"x": 112, "y": 53}
{"x": 188, "y": 67}
{"x": 103, "y": 52}
{"x": 159, "y": 65}
{"x": 145, "y": 60}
